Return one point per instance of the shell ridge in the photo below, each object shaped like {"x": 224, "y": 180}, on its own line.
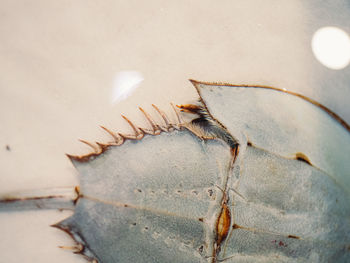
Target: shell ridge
{"x": 295, "y": 156}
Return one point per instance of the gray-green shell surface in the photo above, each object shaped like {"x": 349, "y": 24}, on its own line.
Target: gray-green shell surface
{"x": 158, "y": 199}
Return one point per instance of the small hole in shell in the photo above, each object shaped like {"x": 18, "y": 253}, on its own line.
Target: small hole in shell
{"x": 200, "y": 249}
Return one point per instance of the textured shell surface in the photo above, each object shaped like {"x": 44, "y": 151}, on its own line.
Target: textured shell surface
{"x": 258, "y": 175}
{"x": 249, "y": 174}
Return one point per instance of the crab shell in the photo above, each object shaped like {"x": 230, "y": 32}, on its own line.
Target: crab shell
{"x": 181, "y": 193}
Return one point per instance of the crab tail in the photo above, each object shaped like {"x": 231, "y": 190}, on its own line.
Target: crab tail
{"x": 56, "y": 198}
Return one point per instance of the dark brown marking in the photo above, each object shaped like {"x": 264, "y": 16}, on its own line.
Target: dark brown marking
{"x": 200, "y": 249}
{"x": 235, "y": 152}
{"x": 201, "y": 219}
{"x": 302, "y": 157}
{"x": 77, "y": 191}
{"x": 125, "y": 205}
{"x": 292, "y": 236}
{"x": 11, "y": 200}
{"x": 8, "y": 148}
{"x": 249, "y": 143}
{"x": 235, "y": 226}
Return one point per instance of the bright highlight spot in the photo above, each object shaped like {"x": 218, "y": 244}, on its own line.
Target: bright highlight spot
{"x": 331, "y": 47}
{"x": 125, "y": 83}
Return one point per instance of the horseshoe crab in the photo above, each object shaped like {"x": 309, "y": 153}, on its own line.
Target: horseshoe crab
{"x": 258, "y": 175}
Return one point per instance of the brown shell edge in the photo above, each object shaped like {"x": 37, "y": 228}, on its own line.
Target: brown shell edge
{"x": 332, "y": 114}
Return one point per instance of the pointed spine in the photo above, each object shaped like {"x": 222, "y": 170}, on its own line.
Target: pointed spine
{"x": 179, "y": 123}
{"x": 155, "y": 128}
{"x": 138, "y": 133}
{"x": 164, "y": 117}
{"x": 118, "y": 140}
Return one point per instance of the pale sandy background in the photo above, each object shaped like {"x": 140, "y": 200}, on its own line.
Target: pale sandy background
{"x": 58, "y": 60}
